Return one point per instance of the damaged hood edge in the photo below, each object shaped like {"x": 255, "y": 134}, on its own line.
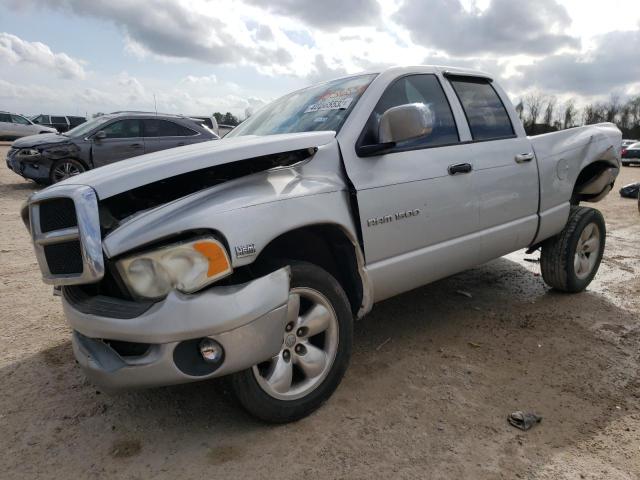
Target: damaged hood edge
{"x": 135, "y": 172}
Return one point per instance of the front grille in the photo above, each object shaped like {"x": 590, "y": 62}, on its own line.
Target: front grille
{"x": 65, "y": 226}
{"x": 57, "y": 214}
{"x": 64, "y": 258}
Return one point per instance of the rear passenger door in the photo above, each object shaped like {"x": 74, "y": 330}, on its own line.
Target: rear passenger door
{"x": 123, "y": 140}
{"x": 164, "y": 134}
{"x": 505, "y": 176}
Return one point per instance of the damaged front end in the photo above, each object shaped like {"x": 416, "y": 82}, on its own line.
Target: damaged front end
{"x": 118, "y": 208}
{"x": 180, "y": 339}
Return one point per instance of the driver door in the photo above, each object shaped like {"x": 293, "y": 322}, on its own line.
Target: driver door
{"x": 416, "y": 212}
{"x": 123, "y": 140}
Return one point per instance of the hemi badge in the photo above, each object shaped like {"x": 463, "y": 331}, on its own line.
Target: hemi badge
{"x": 245, "y": 250}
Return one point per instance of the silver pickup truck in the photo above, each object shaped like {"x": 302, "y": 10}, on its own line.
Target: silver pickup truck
{"x": 252, "y": 256}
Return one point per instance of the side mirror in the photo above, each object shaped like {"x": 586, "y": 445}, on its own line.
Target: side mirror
{"x": 405, "y": 122}
{"x": 100, "y": 135}
{"x": 37, "y": 122}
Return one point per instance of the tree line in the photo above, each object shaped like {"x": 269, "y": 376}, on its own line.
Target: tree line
{"x": 542, "y": 113}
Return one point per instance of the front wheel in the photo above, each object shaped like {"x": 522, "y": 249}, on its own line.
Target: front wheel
{"x": 315, "y": 352}
{"x": 570, "y": 260}
{"x": 66, "y": 168}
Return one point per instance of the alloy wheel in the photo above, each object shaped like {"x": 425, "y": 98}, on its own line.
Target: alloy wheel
{"x": 309, "y": 347}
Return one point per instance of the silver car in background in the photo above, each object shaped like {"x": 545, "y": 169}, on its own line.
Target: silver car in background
{"x": 14, "y": 126}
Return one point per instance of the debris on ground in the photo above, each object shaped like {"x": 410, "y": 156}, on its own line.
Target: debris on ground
{"x": 383, "y": 344}
{"x": 464, "y": 294}
{"x": 524, "y": 421}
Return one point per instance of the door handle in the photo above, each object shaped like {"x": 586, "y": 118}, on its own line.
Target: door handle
{"x": 459, "y": 168}
{"x": 524, "y": 157}
{"x": 180, "y": 144}
{"x": 136, "y": 145}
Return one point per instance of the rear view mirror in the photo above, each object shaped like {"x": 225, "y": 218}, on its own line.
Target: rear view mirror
{"x": 405, "y": 122}
{"x": 100, "y": 135}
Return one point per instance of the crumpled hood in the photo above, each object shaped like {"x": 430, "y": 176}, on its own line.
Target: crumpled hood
{"x": 40, "y": 139}
{"x": 135, "y": 172}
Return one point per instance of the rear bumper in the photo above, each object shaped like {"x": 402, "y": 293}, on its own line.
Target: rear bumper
{"x": 247, "y": 320}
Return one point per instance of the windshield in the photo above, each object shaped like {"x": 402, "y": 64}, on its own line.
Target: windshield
{"x": 84, "y": 128}
{"x": 320, "y": 107}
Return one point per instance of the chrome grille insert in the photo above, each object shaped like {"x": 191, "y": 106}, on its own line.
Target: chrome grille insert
{"x": 67, "y": 243}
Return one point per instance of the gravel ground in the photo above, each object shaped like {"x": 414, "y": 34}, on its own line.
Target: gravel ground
{"x": 434, "y": 374}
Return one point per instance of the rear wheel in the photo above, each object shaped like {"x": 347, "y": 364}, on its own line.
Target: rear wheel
{"x": 315, "y": 352}
{"x": 570, "y": 260}
{"x": 65, "y": 168}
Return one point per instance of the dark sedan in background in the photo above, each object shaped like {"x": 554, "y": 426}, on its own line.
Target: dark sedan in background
{"x": 50, "y": 158}
{"x": 631, "y": 154}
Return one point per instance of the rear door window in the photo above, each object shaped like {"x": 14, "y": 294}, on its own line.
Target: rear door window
{"x": 485, "y": 112}
{"x": 165, "y": 128}
{"x": 123, "y": 129}
{"x": 59, "y": 120}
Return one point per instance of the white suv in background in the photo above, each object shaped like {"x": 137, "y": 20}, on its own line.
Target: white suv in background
{"x": 14, "y": 126}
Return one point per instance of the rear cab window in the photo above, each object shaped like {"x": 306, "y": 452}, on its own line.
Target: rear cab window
{"x": 486, "y": 114}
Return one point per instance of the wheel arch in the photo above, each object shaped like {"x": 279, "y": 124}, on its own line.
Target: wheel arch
{"x": 594, "y": 181}
{"x": 328, "y": 246}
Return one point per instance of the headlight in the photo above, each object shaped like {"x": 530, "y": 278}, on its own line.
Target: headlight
{"x": 28, "y": 152}
{"x": 187, "y": 267}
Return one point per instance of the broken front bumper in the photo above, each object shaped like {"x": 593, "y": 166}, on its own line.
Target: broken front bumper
{"x": 247, "y": 320}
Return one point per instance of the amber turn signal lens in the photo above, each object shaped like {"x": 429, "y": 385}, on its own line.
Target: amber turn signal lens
{"x": 214, "y": 253}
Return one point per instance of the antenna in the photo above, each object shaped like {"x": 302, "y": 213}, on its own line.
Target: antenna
{"x": 155, "y": 104}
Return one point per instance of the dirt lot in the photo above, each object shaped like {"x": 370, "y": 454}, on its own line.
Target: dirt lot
{"x": 433, "y": 376}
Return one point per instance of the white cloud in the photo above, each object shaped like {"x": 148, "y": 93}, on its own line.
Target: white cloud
{"x": 566, "y": 47}
{"x": 14, "y": 50}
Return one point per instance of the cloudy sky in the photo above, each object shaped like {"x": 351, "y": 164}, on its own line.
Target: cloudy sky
{"x": 200, "y": 56}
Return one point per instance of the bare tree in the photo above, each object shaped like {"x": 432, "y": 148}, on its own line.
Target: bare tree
{"x": 548, "y": 111}
{"x": 611, "y": 108}
{"x": 534, "y": 102}
{"x": 570, "y": 114}
{"x": 520, "y": 109}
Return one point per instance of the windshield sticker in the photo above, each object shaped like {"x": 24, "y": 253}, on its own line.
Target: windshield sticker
{"x": 330, "y": 104}
{"x": 320, "y": 119}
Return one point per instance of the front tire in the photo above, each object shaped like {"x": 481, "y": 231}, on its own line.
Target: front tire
{"x": 65, "y": 168}
{"x": 570, "y": 260}
{"x": 315, "y": 352}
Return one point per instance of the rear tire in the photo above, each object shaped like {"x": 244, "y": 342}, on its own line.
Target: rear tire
{"x": 313, "y": 363}
{"x": 570, "y": 260}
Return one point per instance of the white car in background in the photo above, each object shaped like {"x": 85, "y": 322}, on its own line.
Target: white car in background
{"x": 14, "y": 126}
